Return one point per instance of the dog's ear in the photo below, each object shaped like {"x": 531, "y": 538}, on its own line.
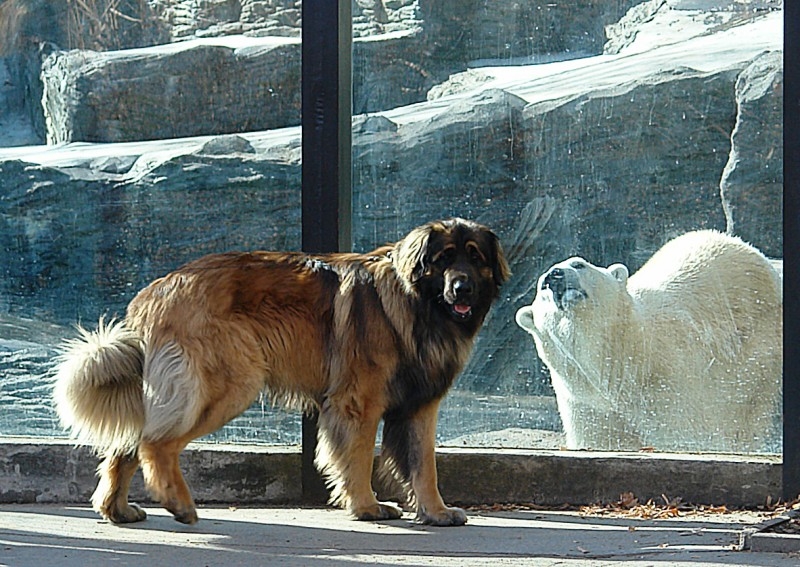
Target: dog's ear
{"x": 500, "y": 269}
{"x": 410, "y": 254}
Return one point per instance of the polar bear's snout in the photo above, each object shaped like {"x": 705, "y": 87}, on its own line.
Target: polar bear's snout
{"x": 564, "y": 283}
{"x": 554, "y": 280}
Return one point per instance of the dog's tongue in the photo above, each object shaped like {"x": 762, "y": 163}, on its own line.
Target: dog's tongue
{"x": 461, "y": 309}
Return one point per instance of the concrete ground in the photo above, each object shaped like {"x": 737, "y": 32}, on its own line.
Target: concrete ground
{"x": 40, "y": 535}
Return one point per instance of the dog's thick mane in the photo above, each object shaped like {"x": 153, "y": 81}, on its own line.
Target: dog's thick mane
{"x": 434, "y": 348}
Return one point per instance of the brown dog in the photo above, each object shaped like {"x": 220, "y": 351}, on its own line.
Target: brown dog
{"x": 359, "y": 337}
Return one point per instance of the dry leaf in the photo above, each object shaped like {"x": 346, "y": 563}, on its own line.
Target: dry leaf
{"x": 628, "y": 500}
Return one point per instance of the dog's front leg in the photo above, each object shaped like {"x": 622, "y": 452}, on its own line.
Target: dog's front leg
{"x": 431, "y": 509}
{"x": 410, "y": 446}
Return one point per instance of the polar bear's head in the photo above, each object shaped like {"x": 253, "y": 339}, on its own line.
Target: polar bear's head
{"x": 572, "y": 287}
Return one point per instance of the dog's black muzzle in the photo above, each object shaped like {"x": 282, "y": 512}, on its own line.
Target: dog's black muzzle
{"x": 459, "y": 295}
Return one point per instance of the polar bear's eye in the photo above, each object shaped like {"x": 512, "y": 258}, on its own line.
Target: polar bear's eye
{"x": 578, "y": 265}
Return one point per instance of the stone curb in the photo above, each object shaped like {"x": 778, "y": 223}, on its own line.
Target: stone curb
{"x": 58, "y": 472}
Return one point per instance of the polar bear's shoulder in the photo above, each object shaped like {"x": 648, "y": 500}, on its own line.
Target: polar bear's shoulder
{"x": 702, "y": 258}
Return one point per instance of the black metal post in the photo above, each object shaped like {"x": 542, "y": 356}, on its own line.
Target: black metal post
{"x": 326, "y": 168}
{"x": 791, "y": 258}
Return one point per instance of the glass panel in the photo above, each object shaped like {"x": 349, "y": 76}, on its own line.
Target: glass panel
{"x": 135, "y": 136}
{"x": 602, "y": 130}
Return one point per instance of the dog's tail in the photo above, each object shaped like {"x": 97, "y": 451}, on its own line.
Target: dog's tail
{"x": 98, "y": 389}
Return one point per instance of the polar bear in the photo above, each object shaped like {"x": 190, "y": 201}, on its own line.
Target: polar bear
{"x": 685, "y": 355}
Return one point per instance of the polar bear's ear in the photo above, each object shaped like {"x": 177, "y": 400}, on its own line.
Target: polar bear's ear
{"x": 620, "y": 272}
{"x": 524, "y": 319}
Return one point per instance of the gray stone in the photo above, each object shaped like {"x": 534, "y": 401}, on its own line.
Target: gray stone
{"x": 622, "y": 33}
{"x": 25, "y": 367}
{"x": 496, "y": 31}
{"x": 773, "y": 543}
{"x": 752, "y": 182}
{"x": 227, "y": 145}
{"x": 365, "y": 124}
{"x": 392, "y": 71}
{"x": 553, "y": 478}
{"x": 59, "y": 472}
{"x": 205, "y": 88}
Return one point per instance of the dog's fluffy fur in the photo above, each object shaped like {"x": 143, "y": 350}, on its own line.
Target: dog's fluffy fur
{"x": 360, "y": 338}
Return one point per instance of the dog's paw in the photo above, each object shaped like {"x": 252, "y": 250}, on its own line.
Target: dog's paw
{"x": 183, "y": 513}
{"x": 187, "y": 517}
{"x": 444, "y": 517}
{"x": 124, "y": 515}
{"x": 378, "y": 511}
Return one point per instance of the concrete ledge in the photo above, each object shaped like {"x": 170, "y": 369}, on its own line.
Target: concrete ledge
{"x": 580, "y": 477}
{"x": 54, "y": 471}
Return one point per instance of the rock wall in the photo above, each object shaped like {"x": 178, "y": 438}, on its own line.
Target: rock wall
{"x": 92, "y": 81}
{"x": 91, "y": 242}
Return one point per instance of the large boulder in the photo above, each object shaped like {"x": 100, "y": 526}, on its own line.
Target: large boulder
{"x": 236, "y": 85}
{"x": 32, "y": 29}
{"x": 185, "y": 89}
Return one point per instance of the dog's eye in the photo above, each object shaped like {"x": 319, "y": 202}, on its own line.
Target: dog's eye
{"x": 476, "y": 256}
{"x": 445, "y": 256}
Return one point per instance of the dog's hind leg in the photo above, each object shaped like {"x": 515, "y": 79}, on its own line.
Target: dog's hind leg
{"x": 110, "y": 498}
{"x": 163, "y": 477}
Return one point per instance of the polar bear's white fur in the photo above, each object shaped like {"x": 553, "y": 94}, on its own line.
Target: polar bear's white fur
{"x": 685, "y": 355}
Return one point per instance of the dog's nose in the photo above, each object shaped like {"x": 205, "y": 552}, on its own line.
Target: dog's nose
{"x": 462, "y": 287}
